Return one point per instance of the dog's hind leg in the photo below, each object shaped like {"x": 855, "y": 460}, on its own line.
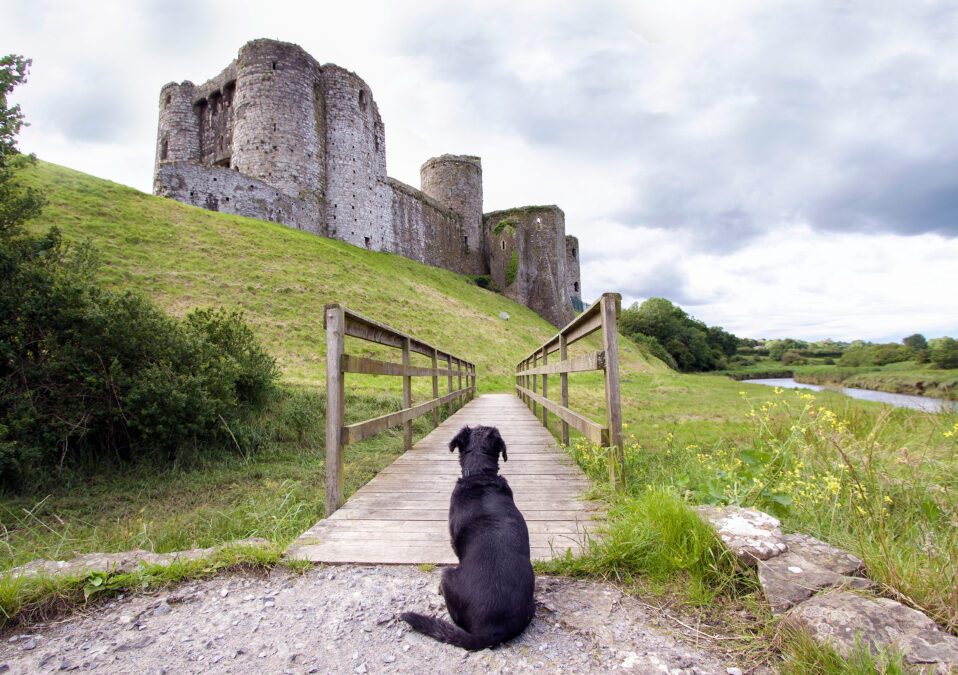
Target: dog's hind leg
{"x": 447, "y": 588}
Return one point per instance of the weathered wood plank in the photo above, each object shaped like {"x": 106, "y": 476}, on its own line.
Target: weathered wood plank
{"x": 400, "y": 516}
{"x": 594, "y": 432}
{"x": 577, "y": 364}
{"x": 354, "y": 433}
{"x": 349, "y": 363}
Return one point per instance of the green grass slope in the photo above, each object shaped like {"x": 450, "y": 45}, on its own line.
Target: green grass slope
{"x": 185, "y": 257}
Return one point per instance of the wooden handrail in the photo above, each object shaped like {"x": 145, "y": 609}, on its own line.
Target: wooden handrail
{"x": 340, "y": 322}
{"x": 602, "y": 315}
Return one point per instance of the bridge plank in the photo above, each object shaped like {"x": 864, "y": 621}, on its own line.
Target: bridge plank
{"x": 400, "y": 516}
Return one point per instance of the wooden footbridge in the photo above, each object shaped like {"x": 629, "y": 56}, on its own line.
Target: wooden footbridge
{"x": 400, "y": 516}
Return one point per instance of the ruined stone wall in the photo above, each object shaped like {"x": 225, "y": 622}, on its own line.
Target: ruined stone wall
{"x": 572, "y": 267}
{"x": 426, "y": 231}
{"x": 219, "y": 189}
{"x": 178, "y": 130}
{"x": 357, "y": 197}
{"x": 455, "y": 181}
{"x": 527, "y": 259}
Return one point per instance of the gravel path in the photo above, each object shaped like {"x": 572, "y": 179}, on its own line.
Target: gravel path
{"x": 343, "y": 619}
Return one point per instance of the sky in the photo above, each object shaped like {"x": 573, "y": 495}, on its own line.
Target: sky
{"x": 778, "y": 168}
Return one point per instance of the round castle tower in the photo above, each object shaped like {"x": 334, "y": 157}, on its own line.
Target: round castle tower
{"x": 275, "y": 137}
{"x": 455, "y": 181}
{"x": 178, "y": 131}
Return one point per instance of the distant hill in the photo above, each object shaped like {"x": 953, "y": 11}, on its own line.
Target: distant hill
{"x": 185, "y": 257}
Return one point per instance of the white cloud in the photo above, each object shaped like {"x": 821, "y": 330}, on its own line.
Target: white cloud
{"x": 759, "y": 162}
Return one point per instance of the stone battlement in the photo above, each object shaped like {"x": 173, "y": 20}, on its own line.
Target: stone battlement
{"x": 279, "y": 137}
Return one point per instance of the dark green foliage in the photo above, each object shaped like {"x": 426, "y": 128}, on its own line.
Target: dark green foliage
{"x": 860, "y": 354}
{"x": 657, "y": 350}
{"x": 512, "y": 268}
{"x": 17, "y": 204}
{"x": 944, "y": 353}
{"x": 792, "y": 357}
{"x": 692, "y": 345}
{"x": 916, "y": 342}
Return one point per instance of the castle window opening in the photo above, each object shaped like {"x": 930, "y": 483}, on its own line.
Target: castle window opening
{"x": 573, "y": 254}
{"x": 367, "y": 241}
{"x": 362, "y": 99}
{"x": 575, "y": 286}
{"x": 274, "y": 65}
{"x": 164, "y": 148}
{"x": 503, "y": 244}
{"x": 169, "y": 99}
{"x": 465, "y": 240}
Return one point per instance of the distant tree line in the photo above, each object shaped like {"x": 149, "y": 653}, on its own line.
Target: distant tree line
{"x": 681, "y": 341}
{"x": 938, "y": 352}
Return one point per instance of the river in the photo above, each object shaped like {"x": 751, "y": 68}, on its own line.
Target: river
{"x": 926, "y": 403}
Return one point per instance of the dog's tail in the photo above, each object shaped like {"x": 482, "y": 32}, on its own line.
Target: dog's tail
{"x": 444, "y": 631}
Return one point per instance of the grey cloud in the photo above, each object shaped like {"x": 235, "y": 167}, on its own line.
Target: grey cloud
{"x": 90, "y": 111}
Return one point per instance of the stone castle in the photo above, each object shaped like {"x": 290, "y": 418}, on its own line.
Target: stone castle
{"x": 279, "y": 137}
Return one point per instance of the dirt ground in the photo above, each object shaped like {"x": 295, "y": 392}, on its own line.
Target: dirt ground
{"x": 344, "y": 619}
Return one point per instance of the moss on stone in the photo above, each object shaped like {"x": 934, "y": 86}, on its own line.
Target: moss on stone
{"x": 512, "y": 268}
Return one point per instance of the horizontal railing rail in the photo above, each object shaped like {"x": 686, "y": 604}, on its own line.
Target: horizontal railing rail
{"x": 602, "y": 315}
{"x": 340, "y": 323}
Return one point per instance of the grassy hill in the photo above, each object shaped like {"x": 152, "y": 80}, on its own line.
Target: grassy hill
{"x": 185, "y": 257}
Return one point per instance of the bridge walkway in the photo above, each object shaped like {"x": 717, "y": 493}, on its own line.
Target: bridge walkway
{"x": 400, "y": 516}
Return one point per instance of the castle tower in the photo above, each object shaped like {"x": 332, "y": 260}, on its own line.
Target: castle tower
{"x": 275, "y": 119}
{"x": 178, "y": 131}
{"x": 455, "y": 181}
{"x": 527, "y": 259}
{"x": 357, "y": 196}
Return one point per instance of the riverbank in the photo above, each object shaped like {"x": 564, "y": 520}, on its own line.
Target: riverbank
{"x": 916, "y": 381}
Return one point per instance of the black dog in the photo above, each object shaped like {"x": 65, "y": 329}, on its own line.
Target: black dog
{"x": 489, "y": 595}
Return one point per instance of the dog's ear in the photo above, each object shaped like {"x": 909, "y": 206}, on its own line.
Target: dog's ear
{"x": 499, "y": 445}
{"x": 461, "y": 440}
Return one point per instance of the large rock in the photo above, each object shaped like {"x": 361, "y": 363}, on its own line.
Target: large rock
{"x": 118, "y": 563}
{"x": 880, "y": 624}
{"x": 808, "y": 566}
{"x": 750, "y": 534}
{"x": 790, "y": 578}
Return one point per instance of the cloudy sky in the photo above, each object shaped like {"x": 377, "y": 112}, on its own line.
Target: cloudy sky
{"x": 777, "y": 168}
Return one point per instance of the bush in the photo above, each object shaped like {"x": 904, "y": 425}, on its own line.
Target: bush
{"x": 944, "y": 353}
{"x": 89, "y": 375}
{"x": 656, "y": 349}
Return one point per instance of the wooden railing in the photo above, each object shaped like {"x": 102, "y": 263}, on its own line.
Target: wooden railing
{"x": 340, "y": 322}
{"x": 602, "y": 315}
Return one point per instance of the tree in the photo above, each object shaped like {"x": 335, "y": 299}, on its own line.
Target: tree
{"x": 944, "y": 353}
{"x": 916, "y": 342}
{"x": 17, "y": 204}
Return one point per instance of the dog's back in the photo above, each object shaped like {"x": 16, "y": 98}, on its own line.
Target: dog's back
{"x": 490, "y": 594}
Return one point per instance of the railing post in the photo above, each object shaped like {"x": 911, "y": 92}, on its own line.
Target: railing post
{"x": 435, "y": 386}
{"x": 613, "y": 403}
{"x": 406, "y": 396}
{"x": 335, "y": 406}
{"x": 545, "y": 388}
{"x": 564, "y": 386}
{"x": 459, "y": 382}
{"x": 449, "y": 368}
{"x": 535, "y": 385}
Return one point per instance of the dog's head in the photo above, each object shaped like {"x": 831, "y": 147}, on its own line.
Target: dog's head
{"x": 479, "y": 449}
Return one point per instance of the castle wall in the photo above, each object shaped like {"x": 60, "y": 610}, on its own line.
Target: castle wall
{"x": 178, "y": 130}
{"x": 358, "y": 200}
{"x": 455, "y": 181}
{"x": 572, "y": 267}
{"x": 527, "y": 259}
{"x": 219, "y": 189}
{"x": 426, "y": 231}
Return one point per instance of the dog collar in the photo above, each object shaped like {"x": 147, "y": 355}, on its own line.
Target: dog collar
{"x": 466, "y": 472}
